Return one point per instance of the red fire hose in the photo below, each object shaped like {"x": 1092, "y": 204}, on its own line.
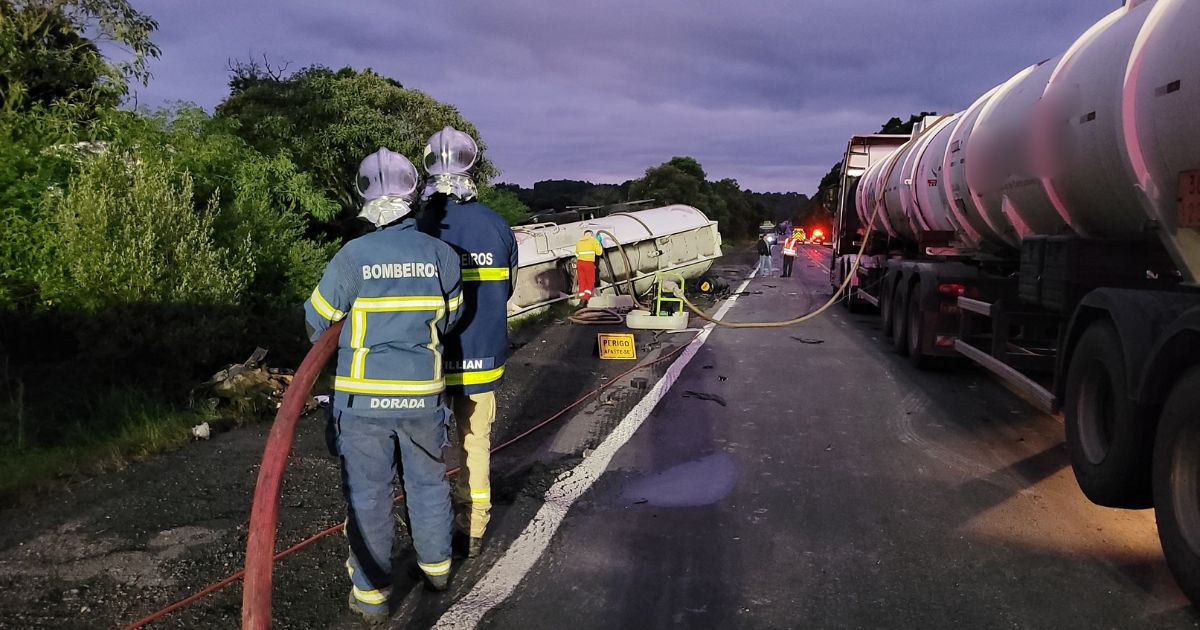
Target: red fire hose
{"x": 256, "y": 608}
{"x": 260, "y": 543}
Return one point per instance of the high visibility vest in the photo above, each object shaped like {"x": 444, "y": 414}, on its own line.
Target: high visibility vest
{"x": 588, "y": 248}
{"x": 789, "y": 246}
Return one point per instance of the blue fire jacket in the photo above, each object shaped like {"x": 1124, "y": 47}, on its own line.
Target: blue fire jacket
{"x": 476, "y": 350}
{"x": 402, "y": 291}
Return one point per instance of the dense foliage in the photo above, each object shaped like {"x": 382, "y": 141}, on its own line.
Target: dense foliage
{"x": 678, "y": 180}
{"x": 327, "y": 121}
{"x": 142, "y": 250}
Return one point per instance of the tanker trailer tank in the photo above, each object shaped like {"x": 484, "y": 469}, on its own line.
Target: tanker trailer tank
{"x": 675, "y": 238}
{"x": 964, "y": 202}
{"x": 999, "y": 168}
{"x": 928, "y": 181}
{"x": 894, "y": 191}
{"x": 1121, "y": 105}
{"x": 1160, "y": 129}
{"x": 872, "y": 198}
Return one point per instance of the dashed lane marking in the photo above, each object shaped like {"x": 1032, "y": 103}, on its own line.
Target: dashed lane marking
{"x": 524, "y": 552}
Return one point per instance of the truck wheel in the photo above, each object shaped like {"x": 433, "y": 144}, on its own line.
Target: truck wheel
{"x": 1109, "y": 436}
{"x": 900, "y": 319}
{"x": 885, "y": 306}
{"x": 1177, "y": 482}
{"x": 916, "y": 334}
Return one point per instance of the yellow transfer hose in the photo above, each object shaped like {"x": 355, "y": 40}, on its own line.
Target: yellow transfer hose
{"x": 790, "y": 322}
{"x": 836, "y": 294}
{"x": 802, "y": 318}
{"x": 628, "y": 266}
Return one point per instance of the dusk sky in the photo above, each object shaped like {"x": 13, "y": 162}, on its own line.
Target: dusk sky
{"x": 765, "y": 91}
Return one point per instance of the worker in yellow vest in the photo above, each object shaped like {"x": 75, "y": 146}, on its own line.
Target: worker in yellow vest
{"x": 586, "y": 251}
{"x": 791, "y": 245}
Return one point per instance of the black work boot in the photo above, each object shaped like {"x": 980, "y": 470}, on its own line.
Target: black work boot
{"x": 464, "y": 545}
{"x": 437, "y": 582}
{"x": 372, "y": 614}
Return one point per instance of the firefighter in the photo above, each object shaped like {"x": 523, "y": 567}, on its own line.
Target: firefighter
{"x": 401, "y": 291}
{"x": 791, "y": 245}
{"x": 475, "y": 353}
{"x": 586, "y": 251}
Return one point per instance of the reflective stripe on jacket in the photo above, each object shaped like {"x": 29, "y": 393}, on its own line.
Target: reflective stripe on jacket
{"x": 401, "y": 291}
{"x": 789, "y": 246}
{"x": 588, "y": 248}
{"x": 476, "y": 350}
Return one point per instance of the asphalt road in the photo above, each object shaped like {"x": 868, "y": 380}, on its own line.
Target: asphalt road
{"x": 804, "y": 477}
{"x": 836, "y": 487}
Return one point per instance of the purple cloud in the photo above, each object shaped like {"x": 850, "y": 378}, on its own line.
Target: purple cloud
{"x": 765, "y": 92}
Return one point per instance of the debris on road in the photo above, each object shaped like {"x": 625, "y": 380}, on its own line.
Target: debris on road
{"x": 703, "y": 396}
{"x": 808, "y": 341}
{"x": 251, "y": 388}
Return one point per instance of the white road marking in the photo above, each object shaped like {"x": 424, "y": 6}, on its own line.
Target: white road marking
{"x": 504, "y": 576}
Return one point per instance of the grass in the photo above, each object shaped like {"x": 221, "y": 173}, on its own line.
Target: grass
{"x": 121, "y": 426}
{"x": 558, "y": 310}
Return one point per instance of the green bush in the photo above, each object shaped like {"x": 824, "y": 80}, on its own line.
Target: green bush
{"x": 504, "y": 202}
{"x": 126, "y": 232}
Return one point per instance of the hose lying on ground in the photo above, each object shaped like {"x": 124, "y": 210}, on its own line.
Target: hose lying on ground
{"x": 837, "y": 295}
{"x": 596, "y": 316}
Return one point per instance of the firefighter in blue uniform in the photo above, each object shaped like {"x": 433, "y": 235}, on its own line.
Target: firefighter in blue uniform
{"x": 477, "y": 349}
{"x": 401, "y": 291}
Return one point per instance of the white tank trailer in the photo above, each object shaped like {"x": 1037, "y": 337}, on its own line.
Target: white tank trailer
{"x": 1050, "y": 232}
{"x": 674, "y": 238}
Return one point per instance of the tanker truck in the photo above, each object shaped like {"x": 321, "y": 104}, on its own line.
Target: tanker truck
{"x": 1050, "y": 233}
{"x": 675, "y": 238}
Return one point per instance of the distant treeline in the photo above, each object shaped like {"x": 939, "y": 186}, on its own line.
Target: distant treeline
{"x": 678, "y": 180}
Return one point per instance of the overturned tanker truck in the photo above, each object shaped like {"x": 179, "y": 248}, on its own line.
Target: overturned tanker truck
{"x": 1050, "y": 233}
{"x": 675, "y": 238}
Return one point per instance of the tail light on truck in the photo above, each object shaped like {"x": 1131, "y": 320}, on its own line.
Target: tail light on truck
{"x": 952, "y": 289}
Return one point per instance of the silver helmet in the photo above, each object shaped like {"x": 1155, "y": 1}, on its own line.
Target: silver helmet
{"x": 387, "y": 182}
{"x": 449, "y": 156}
{"x": 450, "y": 152}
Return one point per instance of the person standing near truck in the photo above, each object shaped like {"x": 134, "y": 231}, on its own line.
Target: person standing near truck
{"x": 791, "y": 245}
{"x": 586, "y": 251}
{"x": 764, "y": 256}
{"x": 401, "y": 292}
{"x": 477, "y": 349}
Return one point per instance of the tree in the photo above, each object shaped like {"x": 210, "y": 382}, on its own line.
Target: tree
{"x": 897, "y": 126}
{"x": 504, "y": 202}
{"x": 327, "y": 121}
{"x": 49, "y": 52}
{"x": 682, "y": 180}
{"x": 678, "y": 180}
{"x": 260, "y": 199}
